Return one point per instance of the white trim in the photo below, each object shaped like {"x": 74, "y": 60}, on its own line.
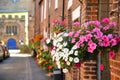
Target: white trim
{"x": 70, "y": 2}
{"x": 76, "y": 13}
{"x": 56, "y": 4}
{"x": 45, "y": 9}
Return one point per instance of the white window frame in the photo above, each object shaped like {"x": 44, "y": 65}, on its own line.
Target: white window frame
{"x": 70, "y": 2}
{"x": 56, "y": 4}
{"x": 45, "y": 3}
{"x": 76, "y": 13}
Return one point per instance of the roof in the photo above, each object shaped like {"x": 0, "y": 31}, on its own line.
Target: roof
{"x": 11, "y": 11}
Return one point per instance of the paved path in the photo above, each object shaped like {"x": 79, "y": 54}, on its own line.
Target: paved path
{"x": 21, "y": 67}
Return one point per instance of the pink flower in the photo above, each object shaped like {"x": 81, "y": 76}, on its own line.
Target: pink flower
{"x": 76, "y": 34}
{"x": 92, "y": 46}
{"x": 77, "y": 24}
{"x": 106, "y": 28}
{"x": 55, "y": 21}
{"x": 110, "y": 36}
{"x": 97, "y": 23}
{"x": 111, "y": 54}
{"x": 101, "y": 67}
{"x": 73, "y": 40}
{"x": 90, "y": 50}
{"x": 63, "y": 22}
{"x": 106, "y": 20}
{"x": 89, "y": 36}
{"x": 113, "y": 24}
{"x": 113, "y": 42}
{"x": 96, "y": 30}
{"x": 70, "y": 33}
{"x": 106, "y": 43}
{"x": 78, "y": 44}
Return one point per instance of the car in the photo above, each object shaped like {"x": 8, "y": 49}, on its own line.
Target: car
{"x": 5, "y": 51}
{"x": 1, "y": 54}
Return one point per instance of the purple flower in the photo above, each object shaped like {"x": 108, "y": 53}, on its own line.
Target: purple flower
{"x": 110, "y": 36}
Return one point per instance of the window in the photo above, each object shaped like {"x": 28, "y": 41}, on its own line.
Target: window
{"x": 16, "y": 17}
{"x": 9, "y": 16}
{"x": 11, "y": 30}
{"x": 3, "y": 16}
{"x": 56, "y": 4}
{"x": 23, "y": 17}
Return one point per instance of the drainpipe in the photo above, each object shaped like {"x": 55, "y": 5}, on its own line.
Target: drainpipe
{"x": 48, "y": 18}
{"x": 63, "y": 9}
{"x": 99, "y": 55}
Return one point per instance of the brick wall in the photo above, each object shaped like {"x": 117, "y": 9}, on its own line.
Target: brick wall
{"x": 87, "y": 71}
{"x": 115, "y": 69}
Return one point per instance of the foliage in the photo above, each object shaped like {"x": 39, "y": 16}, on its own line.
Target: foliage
{"x": 59, "y": 26}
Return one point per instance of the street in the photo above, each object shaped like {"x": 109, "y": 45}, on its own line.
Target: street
{"x": 21, "y": 67}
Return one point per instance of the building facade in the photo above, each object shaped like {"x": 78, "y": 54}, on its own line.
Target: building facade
{"x": 77, "y": 10}
{"x": 15, "y": 22}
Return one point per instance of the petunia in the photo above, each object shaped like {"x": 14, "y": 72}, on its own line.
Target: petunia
{"x": 106, "y": 20}
{"x": 65, "y": 70}
{"x": 111, "y": 54}
{"x": 73, "y": 40}
{"x": 113, "y": 42}
{"x": 76, "y": 60}
{"x": 70, "y": 33}
{"x": 76, "y": 24}
{"x": 101, "y": 67}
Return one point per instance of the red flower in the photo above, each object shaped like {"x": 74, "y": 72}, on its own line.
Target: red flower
{"x": 111, "y": 54}
{"x": 101, "y": 67}
{"x": 78, "y": 65}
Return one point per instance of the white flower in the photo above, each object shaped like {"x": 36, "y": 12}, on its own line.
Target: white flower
{"x": 65, "y": 70}
{"x": 70, "y": 59}
{"x": 65, "y": 34}
{"x": 60, "y": 34}
{"x": 60, "y": 39}
{"x": 74, "y": 47}
{"x": 54, "y": 42}
{"x": 48, "y": 41}
{"x": 60, "y": 47}
{"x": 65, "y": 44}
{"x": 76, "y": 60}
{"x": 76, "y": 53}
{"x": 71, "y": 52}
{"x": 58, "y": 44}
{"x": 52, "y": 52}
{"x": 65, "y": 50}
{"x": 68, "y": 63}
